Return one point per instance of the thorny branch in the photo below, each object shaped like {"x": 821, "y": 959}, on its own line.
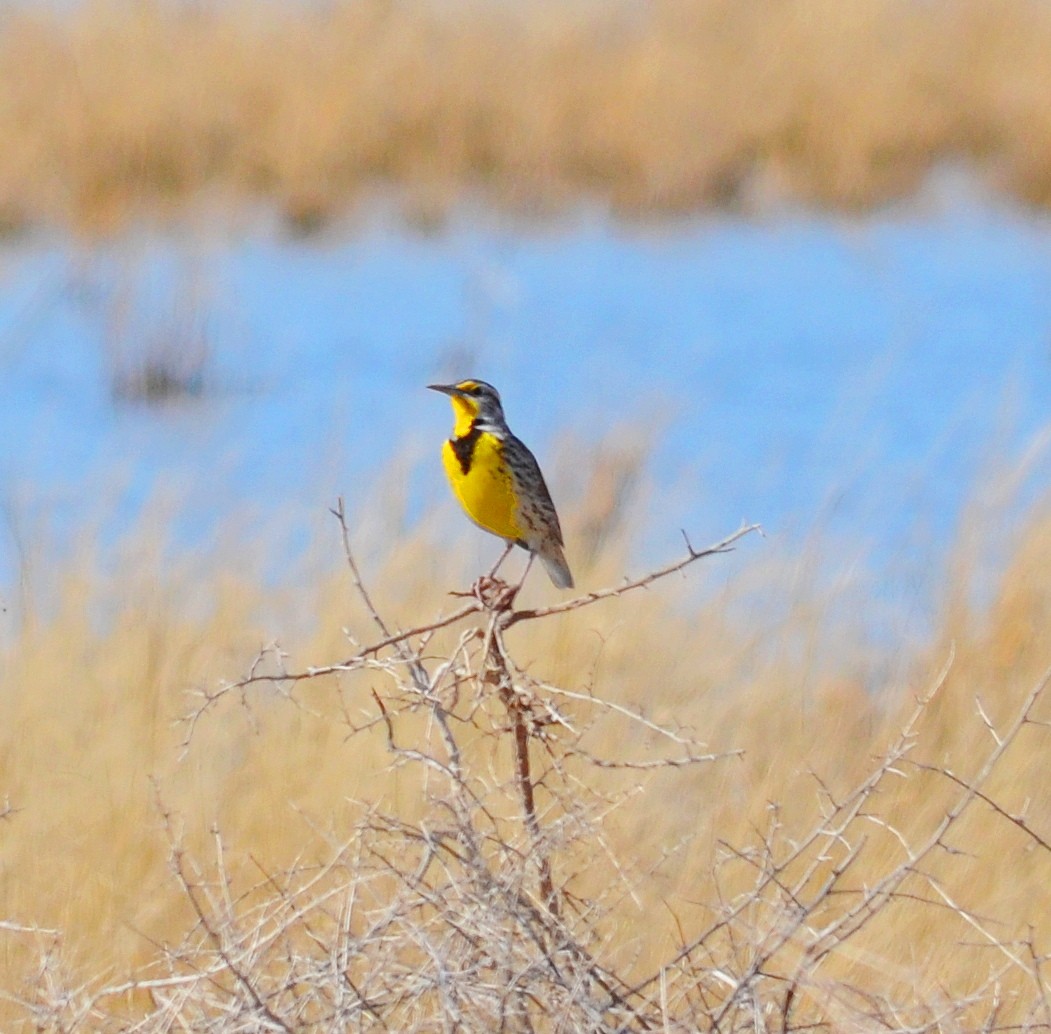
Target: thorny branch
{"x": 529, "y": 708}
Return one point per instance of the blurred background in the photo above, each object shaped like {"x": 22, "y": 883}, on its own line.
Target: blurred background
{"x": 726, "y": 260}
{"x": 791, "y": 250}
{"x": 796, "y": 253}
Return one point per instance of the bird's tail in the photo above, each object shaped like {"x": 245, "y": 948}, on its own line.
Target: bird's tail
{"x": 555, "y": 564}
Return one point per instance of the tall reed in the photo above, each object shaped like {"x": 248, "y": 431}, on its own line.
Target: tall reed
{"x": 109, "y": 110}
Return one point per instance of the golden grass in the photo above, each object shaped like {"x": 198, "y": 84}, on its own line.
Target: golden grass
{"x": 90, "y": 758}
{"x": 107, "y": 108}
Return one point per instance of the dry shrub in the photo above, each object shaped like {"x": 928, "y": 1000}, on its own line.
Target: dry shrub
{"x": 637, "y": 810}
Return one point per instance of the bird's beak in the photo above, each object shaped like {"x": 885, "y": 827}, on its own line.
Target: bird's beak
{"x": 445, "y": 389}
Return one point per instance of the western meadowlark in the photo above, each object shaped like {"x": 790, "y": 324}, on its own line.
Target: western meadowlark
{"x": 497, "y": 479}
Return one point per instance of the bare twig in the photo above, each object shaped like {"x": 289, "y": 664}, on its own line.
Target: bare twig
{"x": 692, "y": 556}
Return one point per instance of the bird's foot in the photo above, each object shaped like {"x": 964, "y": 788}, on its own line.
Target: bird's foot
{"x": 494, "y": 593}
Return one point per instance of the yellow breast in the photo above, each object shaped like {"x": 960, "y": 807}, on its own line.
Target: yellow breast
{"x": 485, "y": 489}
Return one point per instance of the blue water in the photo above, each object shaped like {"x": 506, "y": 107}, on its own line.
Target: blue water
{"x": 863, "y": 376}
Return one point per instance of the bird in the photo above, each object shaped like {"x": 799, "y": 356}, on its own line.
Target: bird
{"x": 498, "y": 480}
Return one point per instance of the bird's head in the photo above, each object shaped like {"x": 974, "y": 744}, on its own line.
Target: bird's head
{"x": 475, "y": 404}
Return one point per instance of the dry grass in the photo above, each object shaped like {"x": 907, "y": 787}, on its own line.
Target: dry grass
{"x": 839, "y": 871}
{"x": 110, "y": 108}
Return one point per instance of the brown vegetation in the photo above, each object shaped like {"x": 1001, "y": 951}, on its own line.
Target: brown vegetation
{"x": 107, "y": 108}
{"x": 726, "y": 826}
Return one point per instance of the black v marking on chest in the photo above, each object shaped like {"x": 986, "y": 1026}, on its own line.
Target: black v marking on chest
{"x": 464, "y": 446}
